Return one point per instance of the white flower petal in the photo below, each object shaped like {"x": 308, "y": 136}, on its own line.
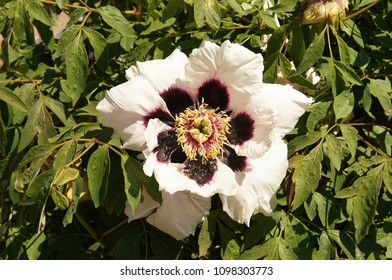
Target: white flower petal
{"x": 161, "y": 73}
{"x": 289, "y": 104}
{"x": 180, "y": 214}
{"x": 124, "y": 108}
{"x": 172, "y": 179}
{"x": 145, "y": 208}
{"x": 264, "y": 122}
{"x": 238, "y": 68}
{"x": 259, "y": 184}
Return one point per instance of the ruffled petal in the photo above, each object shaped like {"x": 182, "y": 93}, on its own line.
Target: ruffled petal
{"x": 236, "y": 67}
{"x": 289, "y": 104}
{"x": 252, "y": 128}
{"x": 180, "y": 214}
{"x": 160, "y": 73}
{"x": 125, "y": 107}
{"x": 145, "y": 208}
{"x": 240, "y": 69}
{"x": 258, "y": 184}
{"x": 172, "y": 177}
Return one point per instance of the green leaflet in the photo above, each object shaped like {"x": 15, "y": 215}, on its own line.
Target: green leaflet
{"x": 77, "y": 65}
{"x": 312, "y": 54}
{"x": 9, "y": 97}
{"x": 207, "y": 11}
{"x": 343, "y": 105}
{"x": 306, "y": 176}
{"x": 98, "y": 169}
{"x": 366, "y": 202}
{"x": 113, "y": 17}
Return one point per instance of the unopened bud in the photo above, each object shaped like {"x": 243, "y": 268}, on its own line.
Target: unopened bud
{"x": 320, "y": 11}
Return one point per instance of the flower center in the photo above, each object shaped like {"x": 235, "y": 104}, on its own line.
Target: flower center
{"x": 202, "y": 132}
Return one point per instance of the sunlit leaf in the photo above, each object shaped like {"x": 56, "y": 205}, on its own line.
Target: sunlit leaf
{"x": 9, "y": 97}
{"x": 306, "y": 176}
{"x": 343, "y": 105}
{"x": 77, "y": 68}
{"x": 335, "y": 151}
{"x": 98, "y": 169}
{"x": 312, "y": 54}
{"x": 351, "y": 137}
{"x": 365, "y": 203}
{"x": 113, "y": 17}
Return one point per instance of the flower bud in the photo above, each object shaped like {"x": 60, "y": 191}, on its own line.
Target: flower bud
{"x": 320, "y": 11}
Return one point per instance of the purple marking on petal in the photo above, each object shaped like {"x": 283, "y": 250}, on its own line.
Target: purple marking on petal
{"x": 201, "y": 173}
{"x": 215, "y": 94}
{"x": 177, "y": 99}
{"x": 167, "y": 144}
{"x": 231, "y": 159}
{"x": 159, "y": 113}
{"x": 242, "y": 129}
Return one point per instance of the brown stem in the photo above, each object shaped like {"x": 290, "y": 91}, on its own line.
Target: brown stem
{"x": 113, "y": 229}
{"x": 361, "y": 10}
{"x": 86, "y": 225}
{"x": 381, "y": 153}
{"x": 71, "y": 6}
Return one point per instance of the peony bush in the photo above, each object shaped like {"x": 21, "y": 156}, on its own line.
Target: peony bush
{"x": 193, "y": 129}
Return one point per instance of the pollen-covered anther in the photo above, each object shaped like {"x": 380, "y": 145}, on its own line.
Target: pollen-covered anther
{"x": 202, "y": 132}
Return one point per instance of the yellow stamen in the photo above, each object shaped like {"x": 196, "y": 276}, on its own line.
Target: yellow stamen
{"x": 202, "y": 132}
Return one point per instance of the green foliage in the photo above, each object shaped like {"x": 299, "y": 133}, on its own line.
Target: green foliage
{"x": 64, "y": 180}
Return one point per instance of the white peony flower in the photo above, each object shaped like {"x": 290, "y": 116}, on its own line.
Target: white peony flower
{"x": 206, "y": 125}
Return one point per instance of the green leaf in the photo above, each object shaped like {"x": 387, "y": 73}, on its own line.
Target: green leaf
{"x": 10, "y": 98}
{"x": 259, "y": 251}
{"x": 335, "y": 151}
{"x": 236, "y": 7}
{"x": 3, "y": 139}
{"x": 113, "y": 17}
{"x": 204, "y": 240}
{"x": 127, "y": 248}
{"x": 97, "y": 41}
{"x": 66, "y": 40}
{"x": 306, "y": 176}
{"x": 29, "y": 173}
{"x": 65, "y": 154}
{"x": 350, "y": 27}
{"x": 303, "y": 141}
{"x": 59, "y": 199}
{"x": 318, "y": 111}
{"x": 58, "y": 109}
{"x": 296, "y": 45}
{"x": 351, "y": 137}
{"x": 77, "y": 188}
{"x": 208, "y": 10}
{"x": 387, "y": 176}
{"x": 365, "y": 203}
{"x": 312, "y": 54}
{"x": 346, "y": 241}
{"x": 348, "y": 73}
{"x": 66, "y": 175}
{"x": 135, "y": 180}
{"x": 36, "y": 9}
{"x": 344, "y": 50}
{"x": 77, "y": 68}
{"x": 34, "y": 246}
{"x": 98, "y": 169}
{"x": 286, "y": 68}
{"x": 381, "y": 89}
{"x": 343, "y": 105}
{"x": 38, "y": 188}
{"x": 37, "y": 152}
{"x": 45, "y": 127}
